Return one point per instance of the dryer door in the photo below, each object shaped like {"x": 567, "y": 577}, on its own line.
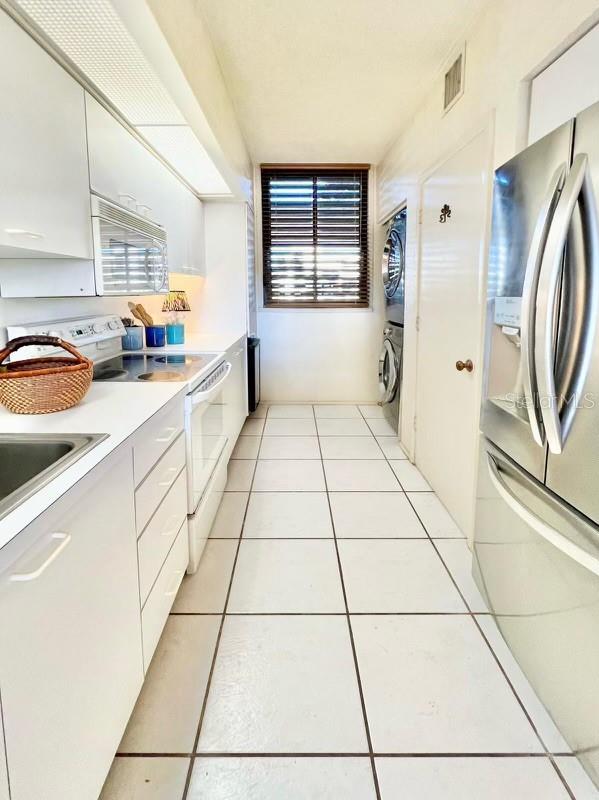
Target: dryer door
{"x": 393, "y": 263}
{"x": 388, "y": 372}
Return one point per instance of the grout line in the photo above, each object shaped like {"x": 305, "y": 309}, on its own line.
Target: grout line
{"x": 219, "y": 636}
{"x": 328, "y": 613}
{"x": 350, "y": 629}
{"x": 423, "y": 538}
{"x": 356, "y": 754}
{"x": 440, "y": 754}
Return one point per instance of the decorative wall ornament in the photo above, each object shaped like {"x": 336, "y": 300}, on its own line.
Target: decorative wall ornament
{"x": 445, "y": 213}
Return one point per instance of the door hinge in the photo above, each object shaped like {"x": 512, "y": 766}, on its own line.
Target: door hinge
{"x": 414, "y": 422}
{"x": 420, "y": 215}
{"x": 418, "y": 323}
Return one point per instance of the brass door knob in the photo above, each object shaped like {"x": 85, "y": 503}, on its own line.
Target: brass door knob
{"x": 467, "y": 365}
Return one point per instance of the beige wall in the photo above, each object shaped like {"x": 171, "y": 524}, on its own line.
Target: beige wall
{"x": 504, "y": 50}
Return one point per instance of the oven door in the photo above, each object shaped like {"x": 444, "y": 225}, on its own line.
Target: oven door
{"x": 206, "y": 432}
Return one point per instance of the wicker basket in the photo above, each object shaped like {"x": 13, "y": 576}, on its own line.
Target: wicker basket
{"x": 46, "y": 384}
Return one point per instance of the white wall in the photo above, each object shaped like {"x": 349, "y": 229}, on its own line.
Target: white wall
{"x": 508, "y": 46}
{"x": 324, "y": 355}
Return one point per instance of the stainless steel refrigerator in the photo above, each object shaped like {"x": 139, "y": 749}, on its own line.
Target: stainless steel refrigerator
{"x": 536, "y": 548}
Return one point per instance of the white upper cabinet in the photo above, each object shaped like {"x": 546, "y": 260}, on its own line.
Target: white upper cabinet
{"x": 44, "y": 190}
{"x": 195, "y": 235}
{"x": 120, "y": 167}
{"x": 124, "y": 171}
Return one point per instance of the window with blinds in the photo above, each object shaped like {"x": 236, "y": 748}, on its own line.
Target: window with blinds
{"x": 315, "y": 237}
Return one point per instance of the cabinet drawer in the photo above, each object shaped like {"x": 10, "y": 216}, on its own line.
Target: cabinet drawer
{"x": 149, "y": 495}
{"x": 162, "y": 596}
{"x": 154, "y": 438}
{"x": 160, "y": 533}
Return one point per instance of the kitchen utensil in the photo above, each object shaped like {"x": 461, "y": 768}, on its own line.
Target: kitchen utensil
{"x": 140, "y": 313}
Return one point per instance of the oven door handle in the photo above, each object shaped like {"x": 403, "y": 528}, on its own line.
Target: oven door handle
{"x": 198, "y": 397}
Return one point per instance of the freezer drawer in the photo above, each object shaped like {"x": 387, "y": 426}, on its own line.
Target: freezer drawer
{"x": 537, "y": 562}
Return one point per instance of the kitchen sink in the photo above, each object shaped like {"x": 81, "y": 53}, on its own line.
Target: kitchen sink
{"x": 30, "y": 461}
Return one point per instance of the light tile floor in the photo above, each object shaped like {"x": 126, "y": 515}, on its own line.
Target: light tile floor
{"x": 333, "y": 645}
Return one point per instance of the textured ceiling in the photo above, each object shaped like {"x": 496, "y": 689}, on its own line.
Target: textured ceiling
{"x": 331, "y": 80}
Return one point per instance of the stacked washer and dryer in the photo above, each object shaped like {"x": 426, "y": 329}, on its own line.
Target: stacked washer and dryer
{"x": 391, "y": 358}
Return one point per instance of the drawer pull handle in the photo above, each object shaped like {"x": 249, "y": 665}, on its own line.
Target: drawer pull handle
{"x": 170, "y": 437}
{"x": 62, "y": 540}
{"x": 177, "y": 580}
{"x": 169, "y": 481}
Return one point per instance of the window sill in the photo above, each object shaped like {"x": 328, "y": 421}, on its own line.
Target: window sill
{"x": 315, "y": 309}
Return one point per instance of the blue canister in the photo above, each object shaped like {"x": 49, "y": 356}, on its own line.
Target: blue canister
{"x": 133, "y": 338}
{"x": 175, "y": 333}
{"x": 155, "y": 336}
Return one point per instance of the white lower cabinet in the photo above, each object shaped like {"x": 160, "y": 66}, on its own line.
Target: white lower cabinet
{"x": 236, "y": 392}
{"x": 162, "y": 596}
{"x": 71, "y": 660}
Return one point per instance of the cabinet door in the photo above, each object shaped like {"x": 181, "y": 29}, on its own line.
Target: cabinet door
{"x": 236, "y": 392}
{"x": 195, "y": 237}
{"x": 70, "y": 638}
{"x": 44, "y": 199}
{"x": 120, "y": 167}
{"x": 173, "y": 217}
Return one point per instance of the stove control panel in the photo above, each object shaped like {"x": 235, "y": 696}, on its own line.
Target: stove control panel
{"x": 80, "y": 332}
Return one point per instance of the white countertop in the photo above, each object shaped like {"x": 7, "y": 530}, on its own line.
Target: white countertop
{"x": 112, "y": 408}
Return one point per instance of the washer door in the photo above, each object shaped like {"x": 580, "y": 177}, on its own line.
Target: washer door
{"x": 388, "y": 372}
{"x": 393, "y": 263}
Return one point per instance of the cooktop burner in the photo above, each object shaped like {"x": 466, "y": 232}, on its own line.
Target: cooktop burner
{"x": 149, "y": 367}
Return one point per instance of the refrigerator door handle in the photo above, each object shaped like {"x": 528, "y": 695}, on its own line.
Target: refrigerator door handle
{"x": 548, "y": 533}
{"x": 529, "y": 293}
{"x": 578, "y": 186}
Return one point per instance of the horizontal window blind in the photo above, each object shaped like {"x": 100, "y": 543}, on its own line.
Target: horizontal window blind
{"x": 315, "y": 237}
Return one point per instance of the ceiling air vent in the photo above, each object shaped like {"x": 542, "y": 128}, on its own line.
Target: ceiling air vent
{"x": 454, "y": 82}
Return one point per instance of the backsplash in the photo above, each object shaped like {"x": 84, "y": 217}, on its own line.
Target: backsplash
{"x": 26, "y": 310}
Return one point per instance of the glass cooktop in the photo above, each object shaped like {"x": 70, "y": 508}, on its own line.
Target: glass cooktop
{"x": 150, "y": 367}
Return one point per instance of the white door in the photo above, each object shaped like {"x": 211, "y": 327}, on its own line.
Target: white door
{"x": 451, "y": 307}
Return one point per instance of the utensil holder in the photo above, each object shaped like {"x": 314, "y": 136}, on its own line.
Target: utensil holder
{"x": 155, "y": 336}
{"x": 133, "y": 338}
{"x": 175, "y": 333}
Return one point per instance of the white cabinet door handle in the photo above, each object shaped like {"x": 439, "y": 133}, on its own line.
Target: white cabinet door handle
{"x": 175, "y": 585}
{"x": 171, "y": 435}
{"x": 169, "y": 481}
{"x": 58, "y": 541}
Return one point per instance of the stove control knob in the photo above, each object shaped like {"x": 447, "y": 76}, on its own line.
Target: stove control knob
{"x": 113, "y": 325}
{"x": 97, "y": 327}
